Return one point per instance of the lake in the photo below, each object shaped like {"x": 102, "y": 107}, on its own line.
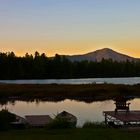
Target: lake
{"x": 130, "y": 81}
{"x": 83, "y": 111}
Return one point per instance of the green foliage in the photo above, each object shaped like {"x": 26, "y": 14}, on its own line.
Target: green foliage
{"x": 60, "y": 123}
{"x": 5, "y": 119}
{"x": 94, "y": 125}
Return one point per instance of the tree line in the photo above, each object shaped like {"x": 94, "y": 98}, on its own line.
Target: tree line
{"x": 39, "y": 66}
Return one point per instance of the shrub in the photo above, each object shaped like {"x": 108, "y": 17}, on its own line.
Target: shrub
{"x": 94, "y": 125}
{"x": 5, "y": 119}
{"x": 60, "y": 123}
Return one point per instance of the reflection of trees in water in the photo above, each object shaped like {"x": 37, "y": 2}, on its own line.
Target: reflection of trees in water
{"x": 59, "y": 99}
{"x": 3, "y": 102}
{"x": 124, "y": 98}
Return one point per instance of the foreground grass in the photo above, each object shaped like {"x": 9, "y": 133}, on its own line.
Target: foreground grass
{"x": 70, "y": 134}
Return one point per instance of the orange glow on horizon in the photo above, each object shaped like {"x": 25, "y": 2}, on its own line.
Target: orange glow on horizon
{"x": 51, "y": 47}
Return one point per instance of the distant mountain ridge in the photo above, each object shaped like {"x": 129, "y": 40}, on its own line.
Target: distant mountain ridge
{"x": 105, "y": 53}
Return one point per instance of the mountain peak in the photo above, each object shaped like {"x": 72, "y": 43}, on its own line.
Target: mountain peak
{"x": 104, "y": 50}
{"x": 98, "y": 55}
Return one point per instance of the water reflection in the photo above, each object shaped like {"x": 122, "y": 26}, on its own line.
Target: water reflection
{"x": 83, "y": 111}
{"x": 51, "y": 99}
{"x": 84, "y": 99}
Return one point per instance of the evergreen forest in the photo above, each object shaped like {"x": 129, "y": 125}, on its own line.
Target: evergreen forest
{"x": 39, "y": 66}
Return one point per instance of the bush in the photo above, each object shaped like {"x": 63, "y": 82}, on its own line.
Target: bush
{"x": 94, "y": 125}
{"x": 60, "y": 123}
{"x": 5, "y": 119}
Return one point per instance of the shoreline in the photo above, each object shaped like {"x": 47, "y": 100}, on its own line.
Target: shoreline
{"x": 82, "y": 92}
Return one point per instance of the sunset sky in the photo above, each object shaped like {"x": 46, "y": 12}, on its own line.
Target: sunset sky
{"x": 69, "y": 26}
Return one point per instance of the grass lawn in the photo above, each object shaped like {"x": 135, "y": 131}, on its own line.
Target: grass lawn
{"x": 70, "y": 134}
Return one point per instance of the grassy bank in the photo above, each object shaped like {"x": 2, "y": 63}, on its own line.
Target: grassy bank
{"x": 70, "y": 134}
{"x": 79, "y": 92}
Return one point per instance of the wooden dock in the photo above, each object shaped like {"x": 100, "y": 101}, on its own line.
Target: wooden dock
{"x": 122, "y": 117}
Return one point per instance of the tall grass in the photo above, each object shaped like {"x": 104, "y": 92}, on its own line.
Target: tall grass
{"x": 60, "y": 123}
{"x": 89, "y": 124}
{"x": 95, "y": 91}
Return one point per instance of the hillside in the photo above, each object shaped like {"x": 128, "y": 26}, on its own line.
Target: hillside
{"x": 98, "y": 55}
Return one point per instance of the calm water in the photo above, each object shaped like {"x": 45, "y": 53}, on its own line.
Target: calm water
{"x": 83, "y": 111}
{"x": 130, "y": 81}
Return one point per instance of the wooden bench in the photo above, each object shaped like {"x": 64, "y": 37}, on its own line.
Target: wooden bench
{"x": 122, "y": 105}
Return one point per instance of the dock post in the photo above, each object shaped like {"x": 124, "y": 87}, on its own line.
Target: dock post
{"x": 105, "y": 119}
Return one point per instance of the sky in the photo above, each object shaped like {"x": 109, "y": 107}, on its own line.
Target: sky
{"x": 69, "y": 26}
